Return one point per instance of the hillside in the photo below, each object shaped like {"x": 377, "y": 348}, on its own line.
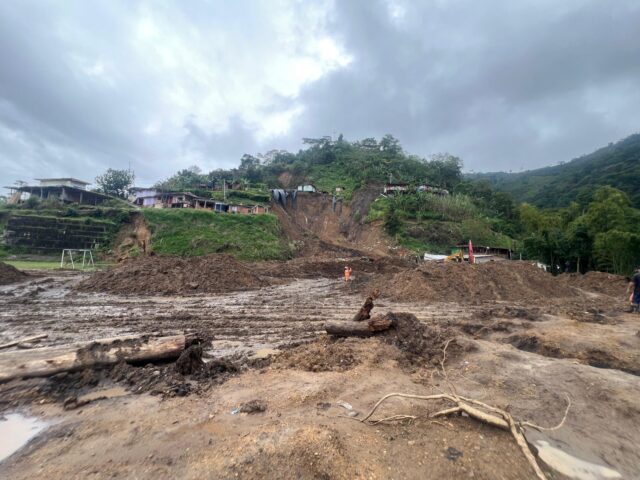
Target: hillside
{"x": 354, "y": 172}
{"x": 188, "y": 232}
{"x": 617, "y": 165}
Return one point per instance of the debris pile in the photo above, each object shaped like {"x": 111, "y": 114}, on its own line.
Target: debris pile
{"x": 323, "y": 355}
{"x": 10, "y": 274}
{"x": 510, "y": 281}
{"x": 420, "y": 340}
{"x": 156, "y": 275}
{"x": 599, "y": 282}
{"x": 330, "y": 268}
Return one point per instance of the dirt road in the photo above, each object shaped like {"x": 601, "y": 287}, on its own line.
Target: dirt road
{"x": 519, "y": 356}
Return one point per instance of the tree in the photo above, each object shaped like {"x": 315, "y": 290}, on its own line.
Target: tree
{"x": 392, "y": 223}
{"x": 610, "y": 208}
{"x": 579, "y": 244}
{"x": 617, "y": 251}
{"x": 249, "y": 162}
{"x": 116, "y": 183}
{"x": 185, "y": 179}
{"x": 445, "y": 170}
{"x": 390, "y": 145}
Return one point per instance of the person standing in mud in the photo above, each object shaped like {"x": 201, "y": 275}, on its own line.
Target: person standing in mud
{"x": 347, "y": 273}
{"x": 634, "y": 287}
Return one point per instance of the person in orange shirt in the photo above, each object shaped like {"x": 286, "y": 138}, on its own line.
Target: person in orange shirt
{"x": 347, "y": 273}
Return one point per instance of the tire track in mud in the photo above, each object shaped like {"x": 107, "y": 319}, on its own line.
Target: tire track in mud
{"x": 242, "y": 321}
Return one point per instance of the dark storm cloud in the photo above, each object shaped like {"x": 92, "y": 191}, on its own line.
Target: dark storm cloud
{"x": 505, "y": 85}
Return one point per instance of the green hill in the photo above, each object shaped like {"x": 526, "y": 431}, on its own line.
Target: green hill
{"x": 617, "y": 165}
{"x": 342, "y": 168}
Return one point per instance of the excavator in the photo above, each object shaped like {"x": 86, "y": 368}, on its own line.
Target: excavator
{"x": 457, "y": 257}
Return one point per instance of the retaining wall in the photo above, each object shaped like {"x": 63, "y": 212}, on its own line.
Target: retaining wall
{"x": 50, "y": 234}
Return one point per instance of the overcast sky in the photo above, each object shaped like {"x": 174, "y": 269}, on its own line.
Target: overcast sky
{"x": 162, "y": 85}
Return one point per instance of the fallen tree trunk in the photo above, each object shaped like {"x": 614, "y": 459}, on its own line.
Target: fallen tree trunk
{"x": 378, "y": 323}
{"x": 49, "y": 361}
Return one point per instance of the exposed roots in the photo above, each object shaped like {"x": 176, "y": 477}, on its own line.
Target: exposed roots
{"x": 494, "y": 416}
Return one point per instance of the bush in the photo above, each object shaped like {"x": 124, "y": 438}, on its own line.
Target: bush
{"x": 32, "y": 202}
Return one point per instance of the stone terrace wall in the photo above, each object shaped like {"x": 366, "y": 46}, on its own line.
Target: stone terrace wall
{"x": 39, "y": 234}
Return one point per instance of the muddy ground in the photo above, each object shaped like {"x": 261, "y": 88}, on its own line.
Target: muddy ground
{"x": 523, "y": 352}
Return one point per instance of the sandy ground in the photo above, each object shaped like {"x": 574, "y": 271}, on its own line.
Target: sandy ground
{"x": 522, "y": 357}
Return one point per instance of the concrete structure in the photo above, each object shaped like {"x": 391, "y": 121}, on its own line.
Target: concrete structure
{"x": 63, "y": 182}
{"x": 154, "y": 198}
{"x": 259, "y": 209}
{"x": 307, "y": 188}
{"x": 42, "y": 234}
{"x": 67, "y": 190}
{"x": 393, "y": 188}
{"x": 485, "y": 254}
{"x": 431, "y": 189}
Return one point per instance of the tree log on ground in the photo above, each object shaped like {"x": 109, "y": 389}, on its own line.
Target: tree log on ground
{"x": 376, "y": 324}
{"x": 50, "y": 361}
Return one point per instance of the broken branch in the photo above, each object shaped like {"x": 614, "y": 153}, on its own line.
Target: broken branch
{"x": 24, "y": 340}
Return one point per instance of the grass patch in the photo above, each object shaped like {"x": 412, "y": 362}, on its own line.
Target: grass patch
{"x": 51, "y": 265}
{"x": 189, "y": 232}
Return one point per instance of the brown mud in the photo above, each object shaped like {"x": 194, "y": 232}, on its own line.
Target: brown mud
{"x": 268, "y": 394}
{"x": 172, "y": 275}
{"x": 10, "y": 274}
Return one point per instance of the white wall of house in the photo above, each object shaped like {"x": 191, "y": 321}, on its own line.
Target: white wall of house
{"x": 55, "y": 182}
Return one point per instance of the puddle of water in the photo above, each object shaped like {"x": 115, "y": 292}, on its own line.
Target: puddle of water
{"x": 264, "y": 353}
{"x": 15, "y": 431}
{"x": 571, "y": 466}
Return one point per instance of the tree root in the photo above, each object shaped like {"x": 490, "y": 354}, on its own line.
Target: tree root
{"x": 482, "y": 412}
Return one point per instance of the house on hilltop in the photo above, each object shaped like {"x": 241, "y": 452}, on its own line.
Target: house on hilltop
{"x": 155, "y": 198}
{"x": 393, "y": 188}
{"x": 67, "y": 190}
{"x": 307, "y": 188}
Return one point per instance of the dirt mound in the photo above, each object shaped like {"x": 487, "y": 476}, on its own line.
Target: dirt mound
{"x": 331, "y": 268}
{"x": 155, "y": 275}
{"x": 324, "y": 355}
{"x": 445, "y": 282}
{"x": 421, "y": 342}
{"x": 599, "y": 282}
{"x": 10, "y": 274}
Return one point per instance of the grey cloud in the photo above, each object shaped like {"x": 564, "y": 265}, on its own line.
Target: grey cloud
{"x": 484, "y": 81}
{"x": 505, "y": 85}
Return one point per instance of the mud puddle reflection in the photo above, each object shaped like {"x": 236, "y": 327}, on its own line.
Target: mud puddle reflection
{"x": 15, "y": 431}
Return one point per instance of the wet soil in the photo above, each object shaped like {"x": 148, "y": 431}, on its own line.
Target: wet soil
{"x": 174, "y": 275}
{"x": 10, "y": 274}
{"x": 499, "y": 281}
{"x": 265, "y": 348}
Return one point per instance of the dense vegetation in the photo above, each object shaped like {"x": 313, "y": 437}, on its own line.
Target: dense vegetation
{"x": 617, "y": 165}
{"x": 199, "y": 232}
{"x": 329, "y": 164}
{"x": 604, "y": 235}
{"x": 418, "y": 221}
{"x": 432, "y": 223}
